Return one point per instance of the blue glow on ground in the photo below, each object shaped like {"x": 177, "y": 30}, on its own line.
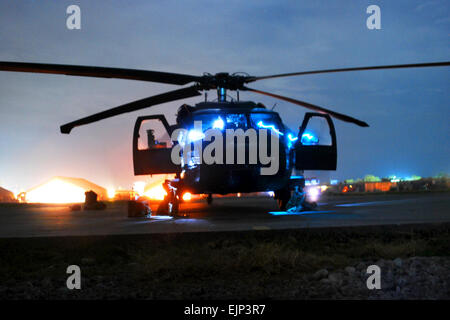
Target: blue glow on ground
{"x": 161, "y": 217}
{"x": 360, "y": 204}
{"x": 285, "y": 213}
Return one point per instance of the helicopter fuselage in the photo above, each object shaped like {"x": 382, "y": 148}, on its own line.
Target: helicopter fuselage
{"x": 236, "y": 173}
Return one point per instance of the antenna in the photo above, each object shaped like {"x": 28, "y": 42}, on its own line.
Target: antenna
{"x": 221, "y": 94}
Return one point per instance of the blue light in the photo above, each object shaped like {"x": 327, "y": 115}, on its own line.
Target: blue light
{"x": 296, "y": 213}
{"x": 309, "y": 139}
{"x": 218, "y": 124}
{"x": 272, "y": 127}
{"x": 194, "y": 135}
{"x": 292, "y": 138}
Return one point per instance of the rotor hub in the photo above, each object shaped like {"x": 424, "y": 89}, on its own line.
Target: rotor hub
{"x": 222, "y": 80}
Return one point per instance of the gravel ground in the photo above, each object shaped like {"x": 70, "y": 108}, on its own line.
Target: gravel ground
{"x": 412, "y": 278}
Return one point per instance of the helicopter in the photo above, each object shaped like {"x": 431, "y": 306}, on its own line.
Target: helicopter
{"x": 295, "y": 152}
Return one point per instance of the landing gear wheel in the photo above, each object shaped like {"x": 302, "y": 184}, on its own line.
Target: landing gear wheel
{"x": 209, "y": 199}
{"x": 164, "y": 208}
{"x": 283, "y": 196}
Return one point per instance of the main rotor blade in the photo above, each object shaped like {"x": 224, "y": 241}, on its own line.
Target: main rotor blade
{"x": 395, "y": 66}
{"x": 133, "y": 106}
{"x": 99, "y": 72}
{"x": 334, "y": 114}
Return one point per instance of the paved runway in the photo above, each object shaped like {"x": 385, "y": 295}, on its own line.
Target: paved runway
{"x": 226, "y": 214}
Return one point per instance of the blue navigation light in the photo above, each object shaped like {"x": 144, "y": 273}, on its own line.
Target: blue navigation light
{"x": 291, "y": 139}
{"x": 194, "y": 135}
{"x": 309, "y": 138}
{"x": 270, "y": 126}
{"x": 218, "y": 124}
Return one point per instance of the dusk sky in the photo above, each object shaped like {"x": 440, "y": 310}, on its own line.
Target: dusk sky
{"x": 407, "y": 110}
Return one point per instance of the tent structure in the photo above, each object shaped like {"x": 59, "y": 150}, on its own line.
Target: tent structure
{"x": 6, "y": 195}
{"x": 64, "y": 190}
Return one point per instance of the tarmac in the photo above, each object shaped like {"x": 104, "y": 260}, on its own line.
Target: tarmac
{"x": 225, "y": 214}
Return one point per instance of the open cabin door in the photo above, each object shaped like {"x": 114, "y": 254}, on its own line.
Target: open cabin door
{"x": 316, "y": 148}
{"x": 152, "y": 146}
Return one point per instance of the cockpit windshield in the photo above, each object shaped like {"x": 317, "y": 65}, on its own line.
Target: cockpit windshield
{"x": 256, "y": 120}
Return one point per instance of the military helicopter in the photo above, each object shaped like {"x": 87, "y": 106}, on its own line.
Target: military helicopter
{"x": 296, "y": 151}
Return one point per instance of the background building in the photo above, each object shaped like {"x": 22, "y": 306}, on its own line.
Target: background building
{"x": 64, "y": 190}
{"x": 6, "y": 196}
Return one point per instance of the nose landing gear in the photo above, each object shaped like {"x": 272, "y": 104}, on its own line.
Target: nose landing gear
{"x": 209, "y": 199}
{"x": 171, "y": 203}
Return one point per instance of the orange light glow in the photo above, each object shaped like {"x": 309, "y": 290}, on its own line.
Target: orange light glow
{"x": 187, "y": 196}
{"x": 56, "y": 191}
{"x": 156, "y": 193}
{"x": 139, "y": 187}
{"x": 111, "y": 193}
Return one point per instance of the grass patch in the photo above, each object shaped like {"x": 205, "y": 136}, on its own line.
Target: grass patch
{"x": 165, "y": 263}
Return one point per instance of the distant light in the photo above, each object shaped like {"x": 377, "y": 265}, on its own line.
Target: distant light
{"x": 218, "y": 124}
{"x": 270, "y": 193}
{"x": 308, "y": 138}
{"x": 312, "y": 182}
{"x": 195, "y": 135}
{"x": 139, "y": 187}
{"x": 111, "y": 192}
{"x": 187, "y": 196}
{"x": 333, "y": 182}
{"x": 413, "y": 178}
{"x": 313, "y": 193}
{"x": 56, "y": 191}
{"x": 156, "y": 193}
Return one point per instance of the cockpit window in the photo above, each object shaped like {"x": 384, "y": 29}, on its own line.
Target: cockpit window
{"x": 236, "y": 121}
{"x": 223, "y": 121}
